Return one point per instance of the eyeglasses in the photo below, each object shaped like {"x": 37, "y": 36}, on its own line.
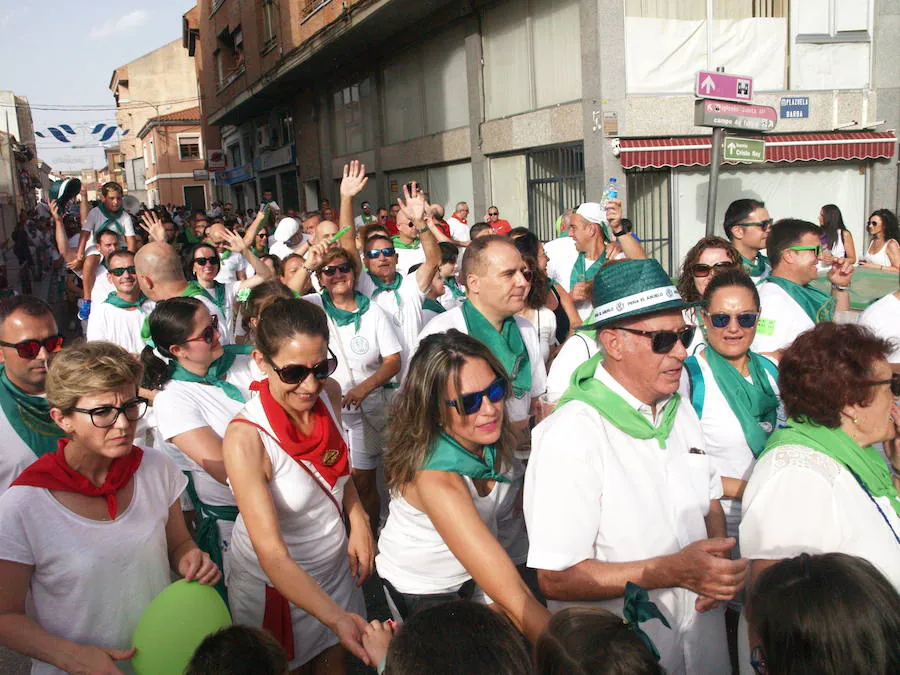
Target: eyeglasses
{"x": 663, "y": 341}
{"x": 702, "y": 270}
{"x": 208, "y": 333}
{"x": 211, "y": 260}
{"x": 296, "y": 373}
{"x": 471, "y": 403}
{"x": 758, "y": 661}
{"x": 873, "y": 222}
{"x": 894, "y": 382}
{"x": 29, "y": 349}
{"x": 493, "y": 213}
{"x": 105, "y": 416}
{"x": 374, "y": 253}
{"x": 331, "y": 270}
{"x": 262, "y": 234}
{"x": 723, "y": 320}
{"x": 815, "y": 249}
{"x": 119, "y": 271}
{"x": 762, "y": 224}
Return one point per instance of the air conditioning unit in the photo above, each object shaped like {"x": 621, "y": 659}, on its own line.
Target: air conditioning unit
{"x": 264, "y": 137}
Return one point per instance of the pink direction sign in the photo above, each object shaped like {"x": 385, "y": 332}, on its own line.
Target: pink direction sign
{"x": 742, "y": 116}
{"x": 723, "y": 87}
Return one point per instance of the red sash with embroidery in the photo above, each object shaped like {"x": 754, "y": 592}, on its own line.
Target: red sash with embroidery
{"x": 53, "y": 472}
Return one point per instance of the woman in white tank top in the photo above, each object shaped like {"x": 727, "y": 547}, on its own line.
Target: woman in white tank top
{"x": 883, "y": 252}
{"x": 448, "y": 467}
{"x": 837, "y": 242}
{"x": 288, "y": 465}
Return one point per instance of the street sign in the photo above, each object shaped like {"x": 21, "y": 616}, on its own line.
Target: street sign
{"x": 201, "y": 174}
{"x": 741, "y": 116}
{"x": 744, "y": 149}
{"x": 724, "y": 87}
{"x": 794, "y": 107}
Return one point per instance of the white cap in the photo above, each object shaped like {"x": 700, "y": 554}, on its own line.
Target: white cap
{"x": 287, "y": 228}
{"x": 592, "y": 212}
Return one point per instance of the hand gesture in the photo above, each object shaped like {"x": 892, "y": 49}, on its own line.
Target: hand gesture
{"x": 354, "y": 180}
{"x": 377, "y": 638}
{"x": 75, "y": 264}
{"x": 827, "y": 257}
{"x": 841, "y": 273}
{"x": 349, "y": 629}
{"x": 582, "y": 291}
{"x": 354, "y": 397}
{"x": 698, "y": 567}
{"x": 413, "y": 205}
{"x": 315, "y": 256}
{"x": 54, "y": 209}
{"x": 234, "y": 242}
{"x": 152, "y": 225}
{"x": 99, "y": 660}
{"x": 361, "y": 553}
{"x": 195, "y": 565}
{"x": 614, "y": 214}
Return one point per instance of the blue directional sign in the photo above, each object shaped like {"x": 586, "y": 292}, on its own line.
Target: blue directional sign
{"x": 794, "y": 107}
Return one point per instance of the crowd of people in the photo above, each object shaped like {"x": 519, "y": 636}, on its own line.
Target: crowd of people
{"x": 636, "y": 474}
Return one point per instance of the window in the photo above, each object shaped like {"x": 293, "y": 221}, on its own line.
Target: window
{"x": 152, "y": 153}
{"x": 353, "y": 117}
{"x": 269, "y": 22}
{"x": 234, "y": 153}
{"x": 188, "y": 147}
{"x": 229, "y": 56}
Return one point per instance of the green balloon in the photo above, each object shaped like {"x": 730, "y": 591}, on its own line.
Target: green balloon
{"x": 174, "y": 625}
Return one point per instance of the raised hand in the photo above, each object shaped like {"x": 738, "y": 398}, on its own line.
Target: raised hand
{"x": 54, "y": 209}
{"x": 413, "y": 205}
{"x": 316, "y": 255}
{"x": 841, "y": 273}
{"x": 152, "y": 225}
{"x": 234, "y": 242}
{"x": 354, "y": 180}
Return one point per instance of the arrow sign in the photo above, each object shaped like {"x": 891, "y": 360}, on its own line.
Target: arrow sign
{"x": 744, "y": 150}
{"x": 724, "y": 87}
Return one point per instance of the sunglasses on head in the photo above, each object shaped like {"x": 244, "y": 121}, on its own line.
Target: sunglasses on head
{"x": 471, "y": 403}
{"x": 894, "y": 382}
{"x": 374, "y": 253}
{"x": 29, "y": 349}
{"x": 723, "y": 320}
{"x": 814, "y": 249}
{"x": 119, "y": 271}
{"x": 702, "y": 270}
{"x": 331, "y": 270}
{"x": 295, "y": 373}
{"x": 762, "y": 224}
{"x": 208, "y": 333}
{"x": 211, "y": 260}
{"x": 663, "y": 341}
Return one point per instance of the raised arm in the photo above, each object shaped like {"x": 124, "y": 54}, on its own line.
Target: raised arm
{"x": 353, "y": 182}
{"x": 414, "y": 207}
{"x": 250, "y": 234}
{"x": 631, "y": 247}
{"x": 236, "y": 244}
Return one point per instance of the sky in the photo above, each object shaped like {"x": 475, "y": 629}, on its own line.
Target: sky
{"x": 62, "y": 55}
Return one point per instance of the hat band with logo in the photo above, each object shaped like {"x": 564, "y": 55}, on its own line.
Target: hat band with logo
{"x": 637, "y": 303}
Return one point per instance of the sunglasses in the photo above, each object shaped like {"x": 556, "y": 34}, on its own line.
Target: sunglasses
{"x": 208, "y": 333}
{"x": 211, "y": 260}
{"x": 873, "y": 222}
{"x": 105, "y": 416}
{"x": 119, "y": 271}
{"x": 29, "y": 349}
{"x": 762, "y": 224}
{"x": 702, "y": 270}
{"x": 894, "y": 382}
{"x": 374, "y": 253}
{"x": 815, "y": 249}
{"x": 296, "y": 373}
{"x": 471, "y": 403}
{"x": 262, "y": 234}
{"x": 493, "y": 213}
{"x": 663, "y": 341}
{"x": 331, "y": 270}
{"x": 723, "y": 320}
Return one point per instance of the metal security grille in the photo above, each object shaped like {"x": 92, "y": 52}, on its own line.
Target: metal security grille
{"x": 650, "y": 209}
{"x": 555, "y": 183}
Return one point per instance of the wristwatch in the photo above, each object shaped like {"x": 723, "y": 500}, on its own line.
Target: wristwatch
{"x": 835, "y": 287}
{"x": 619, "y": 233}
{"x": 423, "y": 230}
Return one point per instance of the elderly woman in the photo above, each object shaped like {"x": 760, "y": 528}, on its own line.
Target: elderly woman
{"x": 90, "y": 534}
{"x": 820, "y": 486}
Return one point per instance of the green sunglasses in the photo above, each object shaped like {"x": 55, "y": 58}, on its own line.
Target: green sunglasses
{"x": 816, "y": 249}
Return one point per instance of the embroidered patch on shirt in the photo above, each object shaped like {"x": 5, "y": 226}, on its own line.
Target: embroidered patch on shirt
{"x": 765, "y": 327}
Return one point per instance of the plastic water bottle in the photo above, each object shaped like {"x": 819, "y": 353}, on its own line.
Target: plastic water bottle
{"x": 611, "y": 192}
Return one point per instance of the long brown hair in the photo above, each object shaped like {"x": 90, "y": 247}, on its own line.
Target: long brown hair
{"x": 420, "y": 409}
{"x": 686, "y": 286}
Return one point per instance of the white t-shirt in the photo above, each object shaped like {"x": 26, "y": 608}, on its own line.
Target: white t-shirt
{"x": 119, "y": 326}
{"x": 544, "y": 322}
{"x": 575, "y": 351}
{"x": 96, "y": 219}
{"x": 406, "y": 317}
{"x": 92, "y": 579}
{"x": 15, "y": 454}
{"x": 407, "y": 257}
{"x": 882, "y": 317}
{"x": 459, "y": 231}
{"x": 781, "y": 319}
{"x": 102, "y": 285}
{"x": 562, "y": 256}
{"x": 229, "y": 268}
{"x": 592, "y": 492}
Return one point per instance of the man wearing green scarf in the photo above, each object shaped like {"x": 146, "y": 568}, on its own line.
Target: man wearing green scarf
{"x": 747, "y": 224}
{"x": 789, "y": 305}
{"x": 619, "y": 489}
{"x": 26, "y": 430}
{"x": 120, "y": 317}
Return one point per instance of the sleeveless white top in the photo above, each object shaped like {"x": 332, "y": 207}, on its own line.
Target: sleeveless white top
{"x": 879, "y": 257}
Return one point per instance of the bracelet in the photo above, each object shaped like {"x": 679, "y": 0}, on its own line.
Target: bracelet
{"x": 423, "y": 230}
{"x": 303, "y": 265}
{"x": 835, "y": 287}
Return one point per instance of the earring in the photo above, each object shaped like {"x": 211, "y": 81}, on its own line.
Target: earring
{"x": 856, "y": 421}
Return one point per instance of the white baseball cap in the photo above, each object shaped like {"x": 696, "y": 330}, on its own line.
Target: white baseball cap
{"x": 592, "y": 211}
{"x": 287, "y": 228}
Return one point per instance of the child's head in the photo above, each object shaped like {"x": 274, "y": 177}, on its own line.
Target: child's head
{"x": 834, "y": 614}
{"x": 458, "y": 637}
{"x": 238, "y": 650}
{"x": 586, "y": 640}
{"x": 112, "y": 195}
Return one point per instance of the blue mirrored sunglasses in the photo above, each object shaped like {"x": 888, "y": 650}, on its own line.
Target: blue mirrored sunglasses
{"x": 471, "y": 403}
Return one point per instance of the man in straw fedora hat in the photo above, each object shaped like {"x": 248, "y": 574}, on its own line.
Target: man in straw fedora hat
{"x": 619, "y": 489}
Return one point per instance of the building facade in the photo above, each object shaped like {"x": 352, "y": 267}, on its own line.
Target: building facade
{"x": 531, "y": 105}
{"x": 20, "y": 176}
{"x": 173, "y": 151}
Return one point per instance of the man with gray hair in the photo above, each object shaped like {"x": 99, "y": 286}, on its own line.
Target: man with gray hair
{"x": 459, "y": 224}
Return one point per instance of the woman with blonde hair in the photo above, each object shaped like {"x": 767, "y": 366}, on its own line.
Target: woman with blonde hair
{"x": 90, "y": 534}
{"x": 449, "y": 468}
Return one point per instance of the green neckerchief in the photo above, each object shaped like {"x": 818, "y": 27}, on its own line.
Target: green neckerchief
{"x": 381, "y": 286}
{"x": 194, "y": 289}
{"x": 579, "y": 273}
{"x": 116, "y": 301}
{"x": 453, "y": 285}
{"x": 507, "y": 345}
{"x": 446, "y": 454}
{"x": 224, "y": 255}
{"x": 111, "y": 222}
{"x": 216, "y": 373}
{"x": 754, "y": 404}
{"x": 637, "y": 608}
{"x": 818, "y": 306}
{"x": 588, "y": 389}
{"x": 433, "y": 305}
{"x": 866, "y": 463}
{"x": 341, "y": 316}
{"x": 758, "y": 267}
{"x": 190, "y": 236}
{"x": 399, "y": 243}
{"x": 260, "y": 252}
{"x": 29, "y": 416}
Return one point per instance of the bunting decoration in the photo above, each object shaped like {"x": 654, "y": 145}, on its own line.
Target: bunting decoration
{"x": 102, "y": 131}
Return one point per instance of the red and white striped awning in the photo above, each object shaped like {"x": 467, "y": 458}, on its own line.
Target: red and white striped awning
{"x": 645, "y": 153}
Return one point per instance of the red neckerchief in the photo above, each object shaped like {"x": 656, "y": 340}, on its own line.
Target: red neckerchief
{"x": 53, "y": 472}
{"x": 464, "y": 221}
{"x": 324, "y": 448}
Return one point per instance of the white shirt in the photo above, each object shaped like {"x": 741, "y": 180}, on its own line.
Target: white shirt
{"x": 102, "y": 285}
{"x": 229, "y": 268}
{"x": 592, "y": 492}
{"x": 15, "y": 454}
{"x": 562, "y": 256}
{"x": 781, "y": 319}
{"x": 459, "y": 231}
{"x": 119, "y": 326}
{"x": 544, "y": 322}
{"x": 92, "y": 579}
{"x": 575, "y": 351}
{"x": 406, "y": 316}
{"x": 407, "y": 257}
{"x": 882, "y": 317}
{"x": 96, "y": 219}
